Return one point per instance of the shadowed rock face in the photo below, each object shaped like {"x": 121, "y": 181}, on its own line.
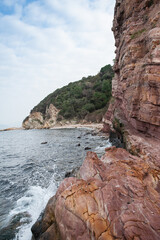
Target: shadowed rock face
{"x": 136, "y": 85}
{"x": 117, "y": 197}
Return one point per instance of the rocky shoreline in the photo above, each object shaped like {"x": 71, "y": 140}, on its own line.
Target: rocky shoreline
{"x": 118, "y": 196}
{"x": 113, "y": 198}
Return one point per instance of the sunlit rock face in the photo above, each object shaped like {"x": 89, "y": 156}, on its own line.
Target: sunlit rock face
{"x": 136, "y": 86}
{"x": 39, "y": 120}
{"x": 116, "y": 197}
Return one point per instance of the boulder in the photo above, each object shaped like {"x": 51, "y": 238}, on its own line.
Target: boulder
{"x": 117, "y": 197}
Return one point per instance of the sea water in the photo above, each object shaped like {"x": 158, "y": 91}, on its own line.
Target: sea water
{"x": 32, "y": 165}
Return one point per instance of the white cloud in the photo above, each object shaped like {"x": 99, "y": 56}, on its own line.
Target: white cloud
{"x": 46, "y": 44}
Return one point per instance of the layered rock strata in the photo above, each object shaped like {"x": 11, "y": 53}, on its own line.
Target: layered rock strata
{"x": 117, "y": 197}
{"x": 38, "y": 120}
{"x": 136, "y": 85}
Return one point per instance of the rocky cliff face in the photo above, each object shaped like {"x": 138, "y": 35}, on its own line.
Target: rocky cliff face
{"x": 136, "y": 85}
{"x": 39, "y": 120}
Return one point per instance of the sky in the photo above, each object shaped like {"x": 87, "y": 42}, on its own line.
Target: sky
{"x": 46, "y": 44}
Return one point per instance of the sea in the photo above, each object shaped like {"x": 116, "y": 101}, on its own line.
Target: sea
{"x": 32, "y": 165}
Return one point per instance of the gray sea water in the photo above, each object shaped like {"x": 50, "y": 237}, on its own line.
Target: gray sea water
{"x": 32, "y": 165}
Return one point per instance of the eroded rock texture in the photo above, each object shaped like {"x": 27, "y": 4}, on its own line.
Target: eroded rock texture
{"x": 39, "y": 120}
{"x": 117, "y": 197}
{"x": 136, "y": 85}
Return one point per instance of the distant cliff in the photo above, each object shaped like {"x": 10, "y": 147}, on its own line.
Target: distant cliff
{"x": 82, "y": 100}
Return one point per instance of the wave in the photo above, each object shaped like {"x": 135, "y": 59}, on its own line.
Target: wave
{"x": 29, "y": 207}
{"x": 101, "y": 149}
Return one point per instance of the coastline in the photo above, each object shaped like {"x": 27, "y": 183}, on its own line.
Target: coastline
{"x": 97, "y": 126}
{"x": 10, "y": 129}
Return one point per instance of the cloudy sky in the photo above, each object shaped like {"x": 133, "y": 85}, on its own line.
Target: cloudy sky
{"x": 45, "y": 44}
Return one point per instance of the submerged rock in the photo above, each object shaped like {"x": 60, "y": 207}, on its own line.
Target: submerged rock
{"x": 87, "y": 148}
{"x": 116, "y": 197}
{"x": 44, "y": 142}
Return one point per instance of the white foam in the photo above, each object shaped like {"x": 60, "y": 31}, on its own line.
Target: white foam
{"x": 101, "y": 149}
{"x": 32, "y": 203}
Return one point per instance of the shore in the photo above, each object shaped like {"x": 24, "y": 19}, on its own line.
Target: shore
{"x": 97, "y": 126}
{"x": 11, "y": 129}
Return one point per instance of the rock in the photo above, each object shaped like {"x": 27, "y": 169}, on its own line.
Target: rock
{"x": 117, "y": 197}
{"x": 43, "y": 142}
{"x": 136, "y": 85}
{"x": 87, "y": 148}
{"x": 134, "y": 110}
{"x": 116, "y": 139}
{"x": 78, "y": 145}
{"x": 45, "y": 227}
{"x": 39, "y": 120}
{"x": 72, "y": 173}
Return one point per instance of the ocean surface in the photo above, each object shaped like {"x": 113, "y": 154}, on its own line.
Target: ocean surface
{"x": 32, "y": 165}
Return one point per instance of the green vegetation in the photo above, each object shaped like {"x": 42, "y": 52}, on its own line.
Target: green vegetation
{"x": 149, "y": 3}
{"x": 118, "y": 125}
{"x": 80, "y": 98}
{"x": 138, "y": 33}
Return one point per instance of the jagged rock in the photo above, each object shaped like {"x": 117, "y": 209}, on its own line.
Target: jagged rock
{"x": 72, "y": 173}
{"x": 39, "y": 120}
{"x": 117, "y": 197}
{"x": 136, "y": 85}
{"x": 87, "y": 148}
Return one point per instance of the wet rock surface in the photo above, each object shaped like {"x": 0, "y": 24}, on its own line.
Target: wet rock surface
{"x": 117, "y": 197}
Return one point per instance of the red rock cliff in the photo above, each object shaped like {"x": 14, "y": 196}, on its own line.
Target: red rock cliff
{"x": 136, "y": 86}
